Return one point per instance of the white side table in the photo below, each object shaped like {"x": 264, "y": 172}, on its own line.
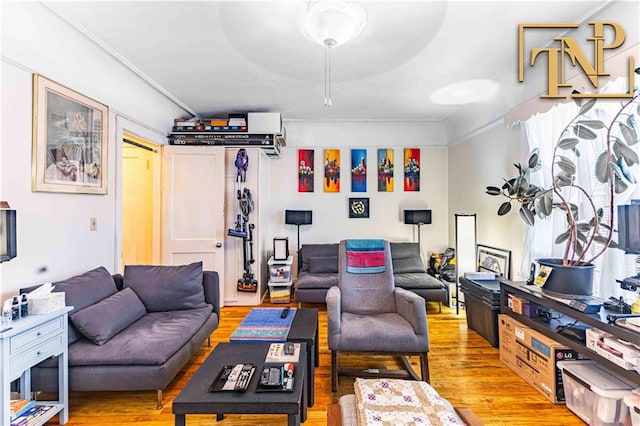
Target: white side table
{"x": 28, "y": 342}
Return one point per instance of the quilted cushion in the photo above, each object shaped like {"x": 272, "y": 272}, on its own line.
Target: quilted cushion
{"x": 323, "y": 265}
{"x": 167, "y": 288}
{"x": 101, "y": 321}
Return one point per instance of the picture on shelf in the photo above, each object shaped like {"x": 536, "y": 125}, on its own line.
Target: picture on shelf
{"x": 491, "y": 259}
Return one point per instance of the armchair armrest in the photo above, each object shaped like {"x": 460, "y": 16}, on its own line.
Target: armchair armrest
{"x": 412, "y": 308}
{"x": 211, "y": 284}
{"x": 334, "y": 309}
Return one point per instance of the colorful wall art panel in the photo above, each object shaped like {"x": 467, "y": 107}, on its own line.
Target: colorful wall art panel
{"x": 331, "y": 170}
{"x": 385, "y": 170}
{"x": 412, "y": 169}
{"x": 305, "y": 170}
{"x": 358, "y": 170}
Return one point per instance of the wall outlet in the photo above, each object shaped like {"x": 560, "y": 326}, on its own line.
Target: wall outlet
{"x": 93, "y": 224}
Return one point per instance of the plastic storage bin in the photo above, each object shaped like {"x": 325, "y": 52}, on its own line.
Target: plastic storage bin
{"x": 595, "y": 394}
{"x": 280, "y": 270}
{"x": 482, "y": 302}
{"x": 280, "y": 292}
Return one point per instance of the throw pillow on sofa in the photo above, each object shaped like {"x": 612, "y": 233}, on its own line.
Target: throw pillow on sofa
{"x": 103, "y": 320}
{"x": 85, "y": 290}
{"x": 323, "y": 265}
{"x": 166, "y": 288}
{"x": 408, "y": 265}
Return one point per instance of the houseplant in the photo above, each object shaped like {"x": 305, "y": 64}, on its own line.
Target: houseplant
{"x": 593, "y": 224}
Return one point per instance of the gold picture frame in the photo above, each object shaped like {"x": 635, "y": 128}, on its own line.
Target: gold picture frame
{"x": 69, "y": 152}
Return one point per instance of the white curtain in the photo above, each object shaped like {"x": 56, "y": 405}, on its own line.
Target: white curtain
{"x": 542, "y": 132}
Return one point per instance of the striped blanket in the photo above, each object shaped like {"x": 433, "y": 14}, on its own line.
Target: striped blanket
{"x": 365, "y": 256}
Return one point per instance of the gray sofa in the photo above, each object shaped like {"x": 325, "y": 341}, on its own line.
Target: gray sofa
{"x": 133, "y": 332}
{"x": 319, "y": 272}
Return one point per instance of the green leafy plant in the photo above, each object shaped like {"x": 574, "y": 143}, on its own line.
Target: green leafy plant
{"x": 611, "y": 168}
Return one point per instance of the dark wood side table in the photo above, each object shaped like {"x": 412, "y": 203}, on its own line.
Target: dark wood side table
{"x": 304, "y": 329}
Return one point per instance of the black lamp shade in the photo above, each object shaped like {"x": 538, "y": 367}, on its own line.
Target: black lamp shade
{"x": 298, "y": 217}
{"x": 629, "y": 228}
{"x": 417, "y": 217}
{"x": 8, "y": 246}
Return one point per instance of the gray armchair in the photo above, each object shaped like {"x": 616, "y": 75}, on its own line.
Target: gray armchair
{"x": 367, "y": 313}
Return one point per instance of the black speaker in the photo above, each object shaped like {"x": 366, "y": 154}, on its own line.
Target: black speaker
{"x": 298, "y": 217}
{"x": 417, "y": 217}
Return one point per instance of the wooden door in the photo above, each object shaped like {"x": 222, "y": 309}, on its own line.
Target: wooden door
{"x": 193, "y": 207}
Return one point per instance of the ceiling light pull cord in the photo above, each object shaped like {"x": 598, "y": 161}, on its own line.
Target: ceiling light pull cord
{"x": 328, "y": 44}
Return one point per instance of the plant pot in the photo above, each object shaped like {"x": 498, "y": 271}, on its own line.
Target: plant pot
{"x": 568, "y": 281}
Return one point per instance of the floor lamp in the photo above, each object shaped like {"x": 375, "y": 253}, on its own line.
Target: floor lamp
{"x": 417, "y": 217}
{"x": 298, "y": 217}
{"x": 466, "y": 256}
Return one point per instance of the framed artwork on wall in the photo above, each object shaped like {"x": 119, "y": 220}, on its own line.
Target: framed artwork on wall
{"x": 69, "y": 140}
{"x": 305, "y": 170}
{"x": 412, "y": 169}
{"x": 358, "y": 170}
{"x": 358, "y": 208}
{"x": 331, "y": 170}
{"x": 385, "y": 170}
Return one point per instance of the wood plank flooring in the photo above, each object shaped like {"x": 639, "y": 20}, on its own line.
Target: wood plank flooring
{"x": 464, "y": 368}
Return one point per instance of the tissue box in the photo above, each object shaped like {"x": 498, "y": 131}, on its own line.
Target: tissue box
{"x": 45, "y": 303}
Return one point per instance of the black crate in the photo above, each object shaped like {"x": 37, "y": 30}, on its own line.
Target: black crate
{"x": 482, "y": 302}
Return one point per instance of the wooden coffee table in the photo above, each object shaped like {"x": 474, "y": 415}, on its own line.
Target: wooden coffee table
{"x": 195, "y": 397}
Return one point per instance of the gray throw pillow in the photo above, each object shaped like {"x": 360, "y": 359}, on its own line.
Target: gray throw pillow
{"x": 408, "y": 265}
{"x": 105, "y": 319}
{"x": 85, "y": 290}
{"x": 167, "y": 288}
{"x": 323, "y": 265}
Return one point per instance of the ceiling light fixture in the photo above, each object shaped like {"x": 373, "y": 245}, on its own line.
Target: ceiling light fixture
{"x": 331, "y": 23}
{"x": 479, "y": 90}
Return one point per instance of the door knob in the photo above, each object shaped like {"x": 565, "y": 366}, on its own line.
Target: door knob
{"x": 218, "y": 245}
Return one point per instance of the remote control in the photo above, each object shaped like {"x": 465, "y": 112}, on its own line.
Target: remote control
{"x": 285, "y": 312}
{"x": 243, "y": 381}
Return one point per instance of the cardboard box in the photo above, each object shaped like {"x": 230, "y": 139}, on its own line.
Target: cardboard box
{"x": 534, "y": 357}
{"x": 46, "y": 303}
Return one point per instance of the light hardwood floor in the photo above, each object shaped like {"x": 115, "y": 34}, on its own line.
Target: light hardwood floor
{"x": 464, "y": 368}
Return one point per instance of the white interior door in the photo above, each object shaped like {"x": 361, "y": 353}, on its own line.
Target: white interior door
{"x": 193, "y": 207}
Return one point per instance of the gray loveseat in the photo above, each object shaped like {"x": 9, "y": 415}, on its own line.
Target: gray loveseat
{"x": 319, "y": 272}
{"x": 133, "y": 332}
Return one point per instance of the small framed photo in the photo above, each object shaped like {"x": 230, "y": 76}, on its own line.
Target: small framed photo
{"x": 491, "y": 259}
{"x": 358, "y": 208}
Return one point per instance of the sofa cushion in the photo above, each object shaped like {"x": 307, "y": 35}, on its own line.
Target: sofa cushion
{"x": 309, "y": 280}
{"x": 101, "y": 321}
{"x": 316, "y": 250}
{"x": 323, "y": 265}
{"x": 84, "y": 290}
{"x": 408, "y": 265}
{"x": 412, "y": 280}
{"x": 151, "y": 340}
{"x": 167, "y": 288}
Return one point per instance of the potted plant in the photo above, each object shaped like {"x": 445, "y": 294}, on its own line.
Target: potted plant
{"x": 583, "y": 230}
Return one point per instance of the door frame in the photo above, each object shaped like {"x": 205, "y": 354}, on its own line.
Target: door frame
{"x": 128, "y": 129}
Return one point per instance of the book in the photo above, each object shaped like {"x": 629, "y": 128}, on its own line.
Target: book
{"x": 32, "y": 416}
{"x": 19, "y": 406}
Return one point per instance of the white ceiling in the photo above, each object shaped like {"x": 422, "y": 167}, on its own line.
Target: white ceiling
{"x": 238, "y": 56}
